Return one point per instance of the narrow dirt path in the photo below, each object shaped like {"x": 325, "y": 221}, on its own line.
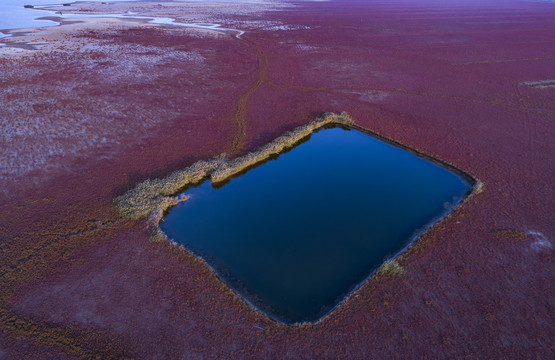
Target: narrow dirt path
{"x": 240, "y": 109}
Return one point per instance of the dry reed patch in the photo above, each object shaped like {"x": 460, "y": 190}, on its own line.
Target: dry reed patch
{"x": 159, "y": 194}
{"x": 391, "y": 268}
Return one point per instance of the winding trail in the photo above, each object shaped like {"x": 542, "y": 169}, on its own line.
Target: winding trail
{"x": 240, "y": 108}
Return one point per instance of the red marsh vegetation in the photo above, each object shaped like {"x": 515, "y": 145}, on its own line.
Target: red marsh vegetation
{"x": 466, "y": 82}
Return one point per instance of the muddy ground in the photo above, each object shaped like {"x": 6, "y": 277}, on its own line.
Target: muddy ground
{"x": 108, "y": 103}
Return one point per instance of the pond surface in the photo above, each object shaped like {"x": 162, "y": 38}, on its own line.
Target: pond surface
{"x": 295, "y": 235}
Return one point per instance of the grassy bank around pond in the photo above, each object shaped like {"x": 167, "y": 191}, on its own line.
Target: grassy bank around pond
{"x": 153, "y": 195}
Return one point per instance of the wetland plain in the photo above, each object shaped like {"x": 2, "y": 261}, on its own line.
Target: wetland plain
{"x": 96, "y": 105}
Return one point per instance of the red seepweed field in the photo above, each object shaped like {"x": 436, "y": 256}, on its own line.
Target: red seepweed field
{"x": 106, "y": 105}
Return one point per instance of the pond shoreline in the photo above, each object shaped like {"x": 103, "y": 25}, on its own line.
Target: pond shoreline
{"x": 159, "y": 194}
{"x": 154, "y": 198}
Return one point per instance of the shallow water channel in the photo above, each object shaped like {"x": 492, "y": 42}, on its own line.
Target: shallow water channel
{"x": 14, "y": 15}
{"x": 295, "y": 235}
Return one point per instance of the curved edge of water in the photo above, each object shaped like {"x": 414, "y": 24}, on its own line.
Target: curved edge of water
{"x": 413, "y": 239}
{"x": 152, "y": 195}
{"x": 475, "y": 188}
{"x": 58, "y": 19}
{"x": 347, "y": 295}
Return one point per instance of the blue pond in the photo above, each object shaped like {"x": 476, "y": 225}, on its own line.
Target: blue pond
{"x": 294, "y": 236}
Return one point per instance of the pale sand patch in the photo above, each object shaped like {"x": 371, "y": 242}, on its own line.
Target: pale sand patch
{"x": 44, "y": 127}
{"x": 62, "y": 37}
{"x": 46, "y": 124}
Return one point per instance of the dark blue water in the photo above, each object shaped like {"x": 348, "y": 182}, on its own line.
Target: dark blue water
{"x": 295, "y": 235}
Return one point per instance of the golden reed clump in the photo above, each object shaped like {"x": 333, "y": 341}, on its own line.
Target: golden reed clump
{"x": 160, "y": 194}
{"x": 391, "y": 268}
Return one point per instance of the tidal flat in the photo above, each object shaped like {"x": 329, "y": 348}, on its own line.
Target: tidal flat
{"x": 96, "y": 106}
